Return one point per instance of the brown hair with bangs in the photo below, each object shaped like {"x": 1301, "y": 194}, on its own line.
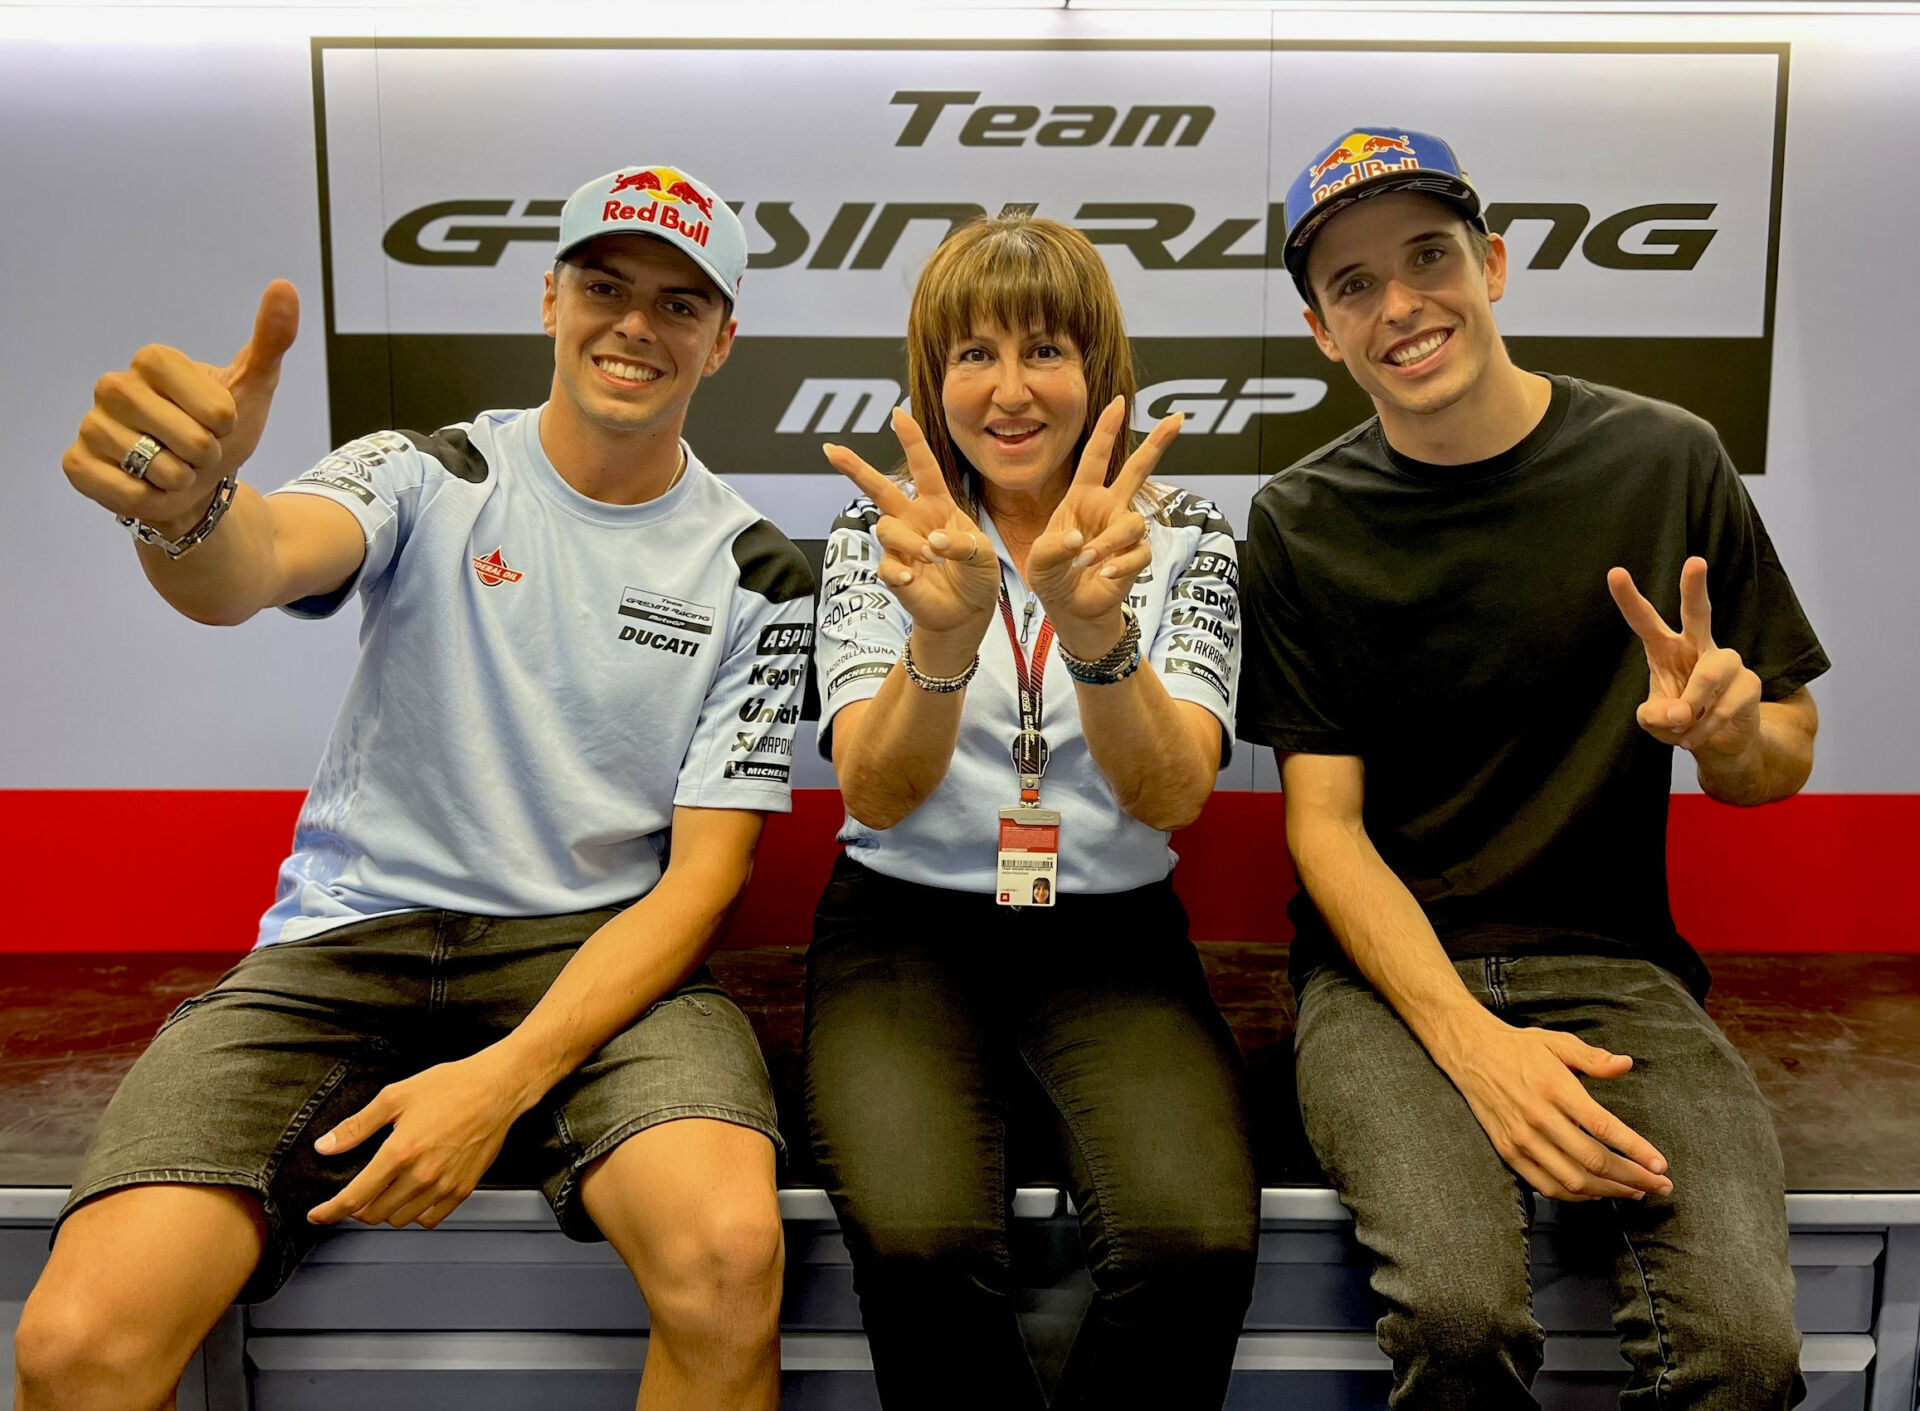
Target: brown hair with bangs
{"x": 1020, "y": 272}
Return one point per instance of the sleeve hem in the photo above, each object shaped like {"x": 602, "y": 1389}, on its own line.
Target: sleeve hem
{"x": 1808, "y": 666}
{"x": 757, "y": 800}
{"x": 1287, "y": 740}
{"x": 1210, "y": 702}
{"x": 846, "y": 696}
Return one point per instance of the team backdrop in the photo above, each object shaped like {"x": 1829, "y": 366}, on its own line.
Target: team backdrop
{"x": 1710, "y": 211}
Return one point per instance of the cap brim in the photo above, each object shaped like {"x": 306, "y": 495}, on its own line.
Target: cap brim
{"x": 1444, "y": 185}
{"x": 713, "y": 275}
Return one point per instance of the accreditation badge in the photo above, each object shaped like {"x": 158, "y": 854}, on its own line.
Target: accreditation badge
{"x": 1029, "y": 856}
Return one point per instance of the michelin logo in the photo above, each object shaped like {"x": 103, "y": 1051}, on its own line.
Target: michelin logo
{"x": 1181, "y": 666}
{"x": 755, "y": 769}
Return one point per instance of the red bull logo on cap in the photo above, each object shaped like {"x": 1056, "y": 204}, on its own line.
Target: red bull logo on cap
{"x": 1364, "y": 154}
{"x": 671, "y": 198}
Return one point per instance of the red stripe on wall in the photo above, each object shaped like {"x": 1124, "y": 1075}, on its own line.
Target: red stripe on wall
{"x": 114, "y": 870}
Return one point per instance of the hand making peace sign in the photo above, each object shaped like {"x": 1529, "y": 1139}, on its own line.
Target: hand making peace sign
{"x": 1700, "y": 697}
{"x": 1083, "y": 566}
{"x": 936, "y": 560}
{"x": 942, "y": 566}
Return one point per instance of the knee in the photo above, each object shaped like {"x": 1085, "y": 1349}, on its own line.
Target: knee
{"x": 1186, "y": 1264}
{"x": 928, "y": 1252}
{"x": 66, "y": 1351}
{"x": 1749, "y": 1356}
{"x": 722, "y": 1276}
{"x": 1459, "y": 1333}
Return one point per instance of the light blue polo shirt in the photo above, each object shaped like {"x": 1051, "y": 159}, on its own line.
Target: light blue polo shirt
{"x": 543, "y": 678}
{"x": 1188, "y": 602}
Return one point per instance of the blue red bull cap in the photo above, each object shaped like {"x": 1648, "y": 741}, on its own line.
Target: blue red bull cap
{"x": 1367, "y": 162}
{"x": 668, "y": 204}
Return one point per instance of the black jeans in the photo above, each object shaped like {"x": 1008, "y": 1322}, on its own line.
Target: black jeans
{"x": 1702, "y": 1288}
{"x": 926, "y": 1010}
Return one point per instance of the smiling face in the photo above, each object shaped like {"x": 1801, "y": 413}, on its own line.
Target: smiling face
{"x": 636, "y": 326}
{"x": 1405, "y": 300}
{"x": 1016, "y": 405}
{"x": 1004, "y": 406}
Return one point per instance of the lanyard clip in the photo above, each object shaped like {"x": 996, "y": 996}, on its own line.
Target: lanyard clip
{"x": 1030, "y": 755}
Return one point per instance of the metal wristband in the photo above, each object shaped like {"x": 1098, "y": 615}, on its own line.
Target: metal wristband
{"x": 1116, "y": 665}
{"x": 938, "y": 685}
{"x": 174, "y": 548}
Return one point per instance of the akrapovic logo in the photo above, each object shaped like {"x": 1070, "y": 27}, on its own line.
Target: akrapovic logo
{"x": 1159, "y": 235}
{"x": 838, "y": 406}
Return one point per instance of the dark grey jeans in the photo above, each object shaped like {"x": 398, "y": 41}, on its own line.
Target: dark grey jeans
{"x": 1702, "y": 1290}
{"x": 927, "y": 1012}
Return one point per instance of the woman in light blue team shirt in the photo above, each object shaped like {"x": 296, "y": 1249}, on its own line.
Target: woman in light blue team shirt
{"x": 1027, "y": 657}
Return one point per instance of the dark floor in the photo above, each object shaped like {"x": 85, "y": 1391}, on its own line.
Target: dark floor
{"x": 1835, "y": 1040}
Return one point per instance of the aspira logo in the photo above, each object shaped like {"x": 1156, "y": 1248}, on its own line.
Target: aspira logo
{"x": 831, "y": 406}
{"x": 1159, "y": 235}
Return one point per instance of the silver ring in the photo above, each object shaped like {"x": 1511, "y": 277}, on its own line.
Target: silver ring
{"x": 973, "y": 547}
{"x": 136, "y": 461}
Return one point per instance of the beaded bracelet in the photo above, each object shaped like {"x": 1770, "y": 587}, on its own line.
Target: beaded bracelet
{"x": 938, "y": 685}
{"x": 1116, "y": 665}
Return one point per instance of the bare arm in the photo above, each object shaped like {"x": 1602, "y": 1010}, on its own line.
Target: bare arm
{"x": 892, "y": 751}
{"x": 1518, "y": 1081}
{"x": 267, "y": 551}
{"x": 208, "y": 420}
{"x": 449, "y": 1121}
{"x": 1160, "y": 756}
{"x": 1773, "y": 764}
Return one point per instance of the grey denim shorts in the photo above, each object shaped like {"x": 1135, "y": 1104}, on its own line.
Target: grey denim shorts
{"x": 241, "y": 1080}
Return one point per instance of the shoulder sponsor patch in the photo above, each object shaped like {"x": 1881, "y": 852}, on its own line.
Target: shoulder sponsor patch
{"x": 747, "y": 743}
{"x": 1208, "y": 564}
{"x": 663, "y": 611}
{"x": 1187, "y": 510}
{"x": 783, "y": 639}
{"x": 757, "y": 769}
{"x": 865, "y": 671}
{"x": 339, "y": 473}
{"x": 1183, "y": 666}
{"x": 1227, "y": 604}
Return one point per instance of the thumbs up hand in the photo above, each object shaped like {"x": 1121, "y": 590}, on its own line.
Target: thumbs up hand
{"x": 202, "y": 422}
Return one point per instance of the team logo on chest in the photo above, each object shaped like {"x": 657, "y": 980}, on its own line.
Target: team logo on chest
{"x": 664, "y": 623}
{"x": 493, "y": 571}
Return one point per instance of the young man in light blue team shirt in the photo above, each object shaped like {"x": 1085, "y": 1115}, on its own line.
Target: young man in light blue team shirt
{"x": 536, "y": 807}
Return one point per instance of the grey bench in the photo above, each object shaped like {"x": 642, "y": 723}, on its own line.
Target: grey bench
{"x": 498, "y": 1310}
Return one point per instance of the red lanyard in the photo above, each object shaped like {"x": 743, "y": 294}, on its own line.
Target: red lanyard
{"x": 1029, "y": 746}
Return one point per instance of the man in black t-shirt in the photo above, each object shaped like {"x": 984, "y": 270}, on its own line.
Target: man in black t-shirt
{"x": 1475, "y": 710}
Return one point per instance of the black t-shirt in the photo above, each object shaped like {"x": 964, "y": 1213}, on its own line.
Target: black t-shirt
{"x": 1451, "y": 626}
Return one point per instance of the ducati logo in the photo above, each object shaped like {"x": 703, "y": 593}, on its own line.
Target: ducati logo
{"x": 493, "y": 570}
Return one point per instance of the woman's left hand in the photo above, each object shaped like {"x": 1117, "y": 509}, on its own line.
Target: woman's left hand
{"x": 1083, "y": 566}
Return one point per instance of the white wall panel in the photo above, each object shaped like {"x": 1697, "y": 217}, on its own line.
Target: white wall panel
{"x": 152, "y": 188}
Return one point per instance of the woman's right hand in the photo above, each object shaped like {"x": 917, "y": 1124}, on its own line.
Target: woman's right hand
{"x": 936, "y": 560}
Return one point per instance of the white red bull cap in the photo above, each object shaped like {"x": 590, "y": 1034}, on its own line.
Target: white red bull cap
{"x": 1367, "y": 162}
{"x": 668, "y": 204}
